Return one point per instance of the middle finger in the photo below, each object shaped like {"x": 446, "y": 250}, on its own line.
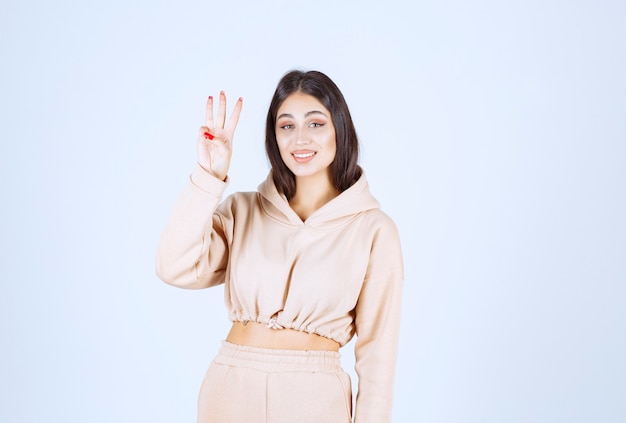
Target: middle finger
{"x": 221, "y": 111}
{"x": 208, "y": 117}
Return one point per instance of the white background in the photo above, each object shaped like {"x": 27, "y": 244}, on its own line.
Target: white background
{"x": 493, "y": 133}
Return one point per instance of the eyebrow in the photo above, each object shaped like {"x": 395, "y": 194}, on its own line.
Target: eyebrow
{"x": 307, "y": 114}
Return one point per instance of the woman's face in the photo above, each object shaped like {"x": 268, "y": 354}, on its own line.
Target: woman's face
{"x": 306, "y": 136}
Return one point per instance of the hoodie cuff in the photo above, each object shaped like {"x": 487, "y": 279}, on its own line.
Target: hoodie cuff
{"x": 207, "y": 182}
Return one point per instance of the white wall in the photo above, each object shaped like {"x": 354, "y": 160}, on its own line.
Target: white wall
{"x": 492, "y": 132}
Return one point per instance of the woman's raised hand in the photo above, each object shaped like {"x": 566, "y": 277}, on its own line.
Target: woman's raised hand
{"x": 215, "y": 140}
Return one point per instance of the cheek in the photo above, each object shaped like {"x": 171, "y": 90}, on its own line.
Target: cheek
{"x": 332, "y": 144}
{"x": 282, "y": 142}
{"x": 282, "y": 148}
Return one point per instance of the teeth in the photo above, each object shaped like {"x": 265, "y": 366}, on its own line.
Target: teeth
{"x": 303, "y": 156}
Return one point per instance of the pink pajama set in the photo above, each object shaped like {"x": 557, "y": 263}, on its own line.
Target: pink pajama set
{"x": 337, "y": 274}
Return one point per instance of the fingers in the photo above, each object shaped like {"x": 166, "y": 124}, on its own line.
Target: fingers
{"x": 221, "y": 111}
{"x": 220, "y": 120}
{"x": 234, "y": 117}
{"x": 205, "y": 133}
{"x": 208, "y": 119}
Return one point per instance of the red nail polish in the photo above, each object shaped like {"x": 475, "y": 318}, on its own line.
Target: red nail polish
{"x": 210, "y": 97}
{"x": 208, "y": 135}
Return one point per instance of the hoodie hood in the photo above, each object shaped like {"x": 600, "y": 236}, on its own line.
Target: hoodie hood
{"x": 338, "y": 211}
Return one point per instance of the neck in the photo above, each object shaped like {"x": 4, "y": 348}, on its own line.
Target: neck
{"x": 311, "y": 194}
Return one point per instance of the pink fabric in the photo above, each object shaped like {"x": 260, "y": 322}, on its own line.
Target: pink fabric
{"x": 259, "y": 385}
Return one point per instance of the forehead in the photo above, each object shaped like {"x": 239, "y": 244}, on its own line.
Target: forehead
{"x": 298, "y": 104}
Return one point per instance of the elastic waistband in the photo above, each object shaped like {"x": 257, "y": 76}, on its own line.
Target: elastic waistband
{"x": 273, "y": 360}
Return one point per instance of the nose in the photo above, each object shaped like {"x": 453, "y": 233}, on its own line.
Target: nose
{"x": 302, "y": 137}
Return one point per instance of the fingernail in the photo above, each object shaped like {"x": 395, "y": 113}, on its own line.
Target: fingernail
{"x": 208, "y": 136}
{"x": 210, "y": 97}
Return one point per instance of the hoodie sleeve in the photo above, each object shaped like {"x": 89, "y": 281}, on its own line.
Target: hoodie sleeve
{"x": 193, "y": 250}
{"x": 377, "y": 324}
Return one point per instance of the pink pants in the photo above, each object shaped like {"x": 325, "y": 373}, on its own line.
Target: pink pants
{"x": 260, "y": 385}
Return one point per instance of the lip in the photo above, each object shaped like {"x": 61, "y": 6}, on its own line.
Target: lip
{"x": 303, "y": 156}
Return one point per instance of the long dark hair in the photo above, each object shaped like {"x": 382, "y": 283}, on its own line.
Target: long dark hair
{"x": 344, "y": 169}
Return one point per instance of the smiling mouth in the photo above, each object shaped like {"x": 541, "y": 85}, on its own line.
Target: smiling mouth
{"x": 303, "y": 155}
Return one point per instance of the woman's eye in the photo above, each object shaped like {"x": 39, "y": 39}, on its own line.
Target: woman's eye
{"x": 316, "y": 125}
{"x": 287, "y": 126}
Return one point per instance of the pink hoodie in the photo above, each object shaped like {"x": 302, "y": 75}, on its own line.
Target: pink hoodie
{"x": 337, "y": 274}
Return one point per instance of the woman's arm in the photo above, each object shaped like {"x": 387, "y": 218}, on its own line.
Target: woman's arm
{"x": 377, "y": 327}
{"x": 193, "y": 251}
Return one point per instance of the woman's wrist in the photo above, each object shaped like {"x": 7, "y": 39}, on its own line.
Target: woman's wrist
{"x": 212, "y": 173}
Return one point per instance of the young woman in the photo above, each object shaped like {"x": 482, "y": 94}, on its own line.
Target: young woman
{"x": 307, "y": 262}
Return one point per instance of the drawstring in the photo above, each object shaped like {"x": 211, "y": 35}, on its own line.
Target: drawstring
{"x": 273, "y": 324}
